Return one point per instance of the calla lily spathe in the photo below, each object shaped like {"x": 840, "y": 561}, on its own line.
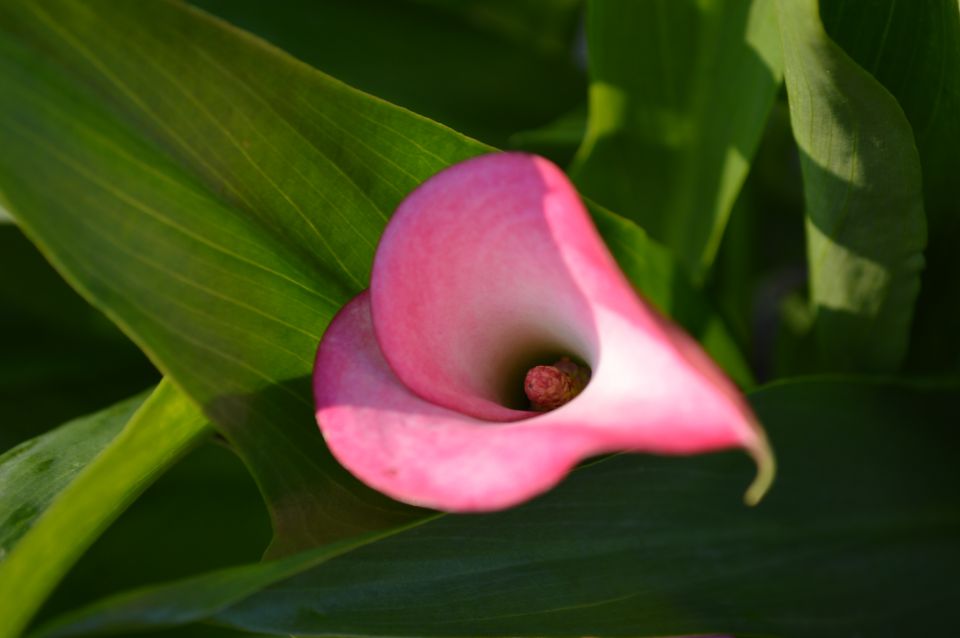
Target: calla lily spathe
{"x": 490, "y": 267}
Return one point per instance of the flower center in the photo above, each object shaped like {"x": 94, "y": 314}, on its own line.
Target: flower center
{"x": 549, "y": 387}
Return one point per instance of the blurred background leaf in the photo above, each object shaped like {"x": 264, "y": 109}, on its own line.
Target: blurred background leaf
{"x": 866, "y": 228}
{"x": 220, "y": 201}
{"x": 853, "y": 540}
{"x": 679, "y": 94}
{"x": 913, "y": 50}
{"x": 488, "y": 69}
{"x": 60, "y": 357}
{"x": 760, "y": 272}
{"x": 557, "y": 140}
{"x": 63, "y": 489}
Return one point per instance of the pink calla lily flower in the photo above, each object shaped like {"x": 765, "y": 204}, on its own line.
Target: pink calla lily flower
{"x": 489, "y": 269}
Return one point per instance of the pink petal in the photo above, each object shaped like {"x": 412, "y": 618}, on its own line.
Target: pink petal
{"x": 488, "y": 268}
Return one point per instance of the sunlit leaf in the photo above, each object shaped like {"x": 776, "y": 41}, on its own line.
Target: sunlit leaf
{"x": 679, "y": 94}
{"x": 865, "y": 222}
{"x": 60, "y": 491}
{"x": 913, "y": 49}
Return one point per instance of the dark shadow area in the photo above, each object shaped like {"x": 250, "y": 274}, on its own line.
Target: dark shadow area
{"x": 311, "y": 498}
{"x": 204, "y": 514}
{"x": 873, "y": 553}
{"x": 59, "y": 357}
{"x": 762, "y": 259}
{"x": 431, "y": 61}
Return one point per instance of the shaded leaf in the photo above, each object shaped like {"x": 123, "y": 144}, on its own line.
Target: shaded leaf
{"x": 220, "y": 201}
{"x": 679, "y": 93}
{"x": 645, "y": 546}
{"x": 865, "y": 222}
{"x": 64, "y": 489}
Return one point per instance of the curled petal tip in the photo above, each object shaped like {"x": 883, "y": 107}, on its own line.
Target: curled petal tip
{"x": 766, "y": 470}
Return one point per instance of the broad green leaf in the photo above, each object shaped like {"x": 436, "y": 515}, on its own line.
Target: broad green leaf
{"x": 220, "y": 201}
{"x": 865, "y": 222}
{"x": 913, "y": 49}
{"x": 486, "y": 69}
{"x": 679, "y": 93}
{"x": 62, "y": 490}
{"x": 858, "y": 537}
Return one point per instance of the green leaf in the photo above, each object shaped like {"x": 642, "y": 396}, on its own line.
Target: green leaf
{"x": 913, "y": 49}
{"x": 679, "y": 95}
{"x": 59, "y": 492}
{"x": 856, "y": 538}
{"x": 865, "y": 223}
{"x": 488, "y": 69}
{"x": 220, "y": 201}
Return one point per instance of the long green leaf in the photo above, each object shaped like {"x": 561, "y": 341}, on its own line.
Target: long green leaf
{"x": 220, "y": 201}
{"x": 63, "y": 489}
{"x": 679, "y": 94}
{"x": 857, "y": 538}
{"x": 913, "y": 49}
{"x": 865, "y": 222}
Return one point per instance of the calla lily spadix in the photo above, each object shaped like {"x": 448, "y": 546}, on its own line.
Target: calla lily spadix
{"x": 489, "y": 274}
